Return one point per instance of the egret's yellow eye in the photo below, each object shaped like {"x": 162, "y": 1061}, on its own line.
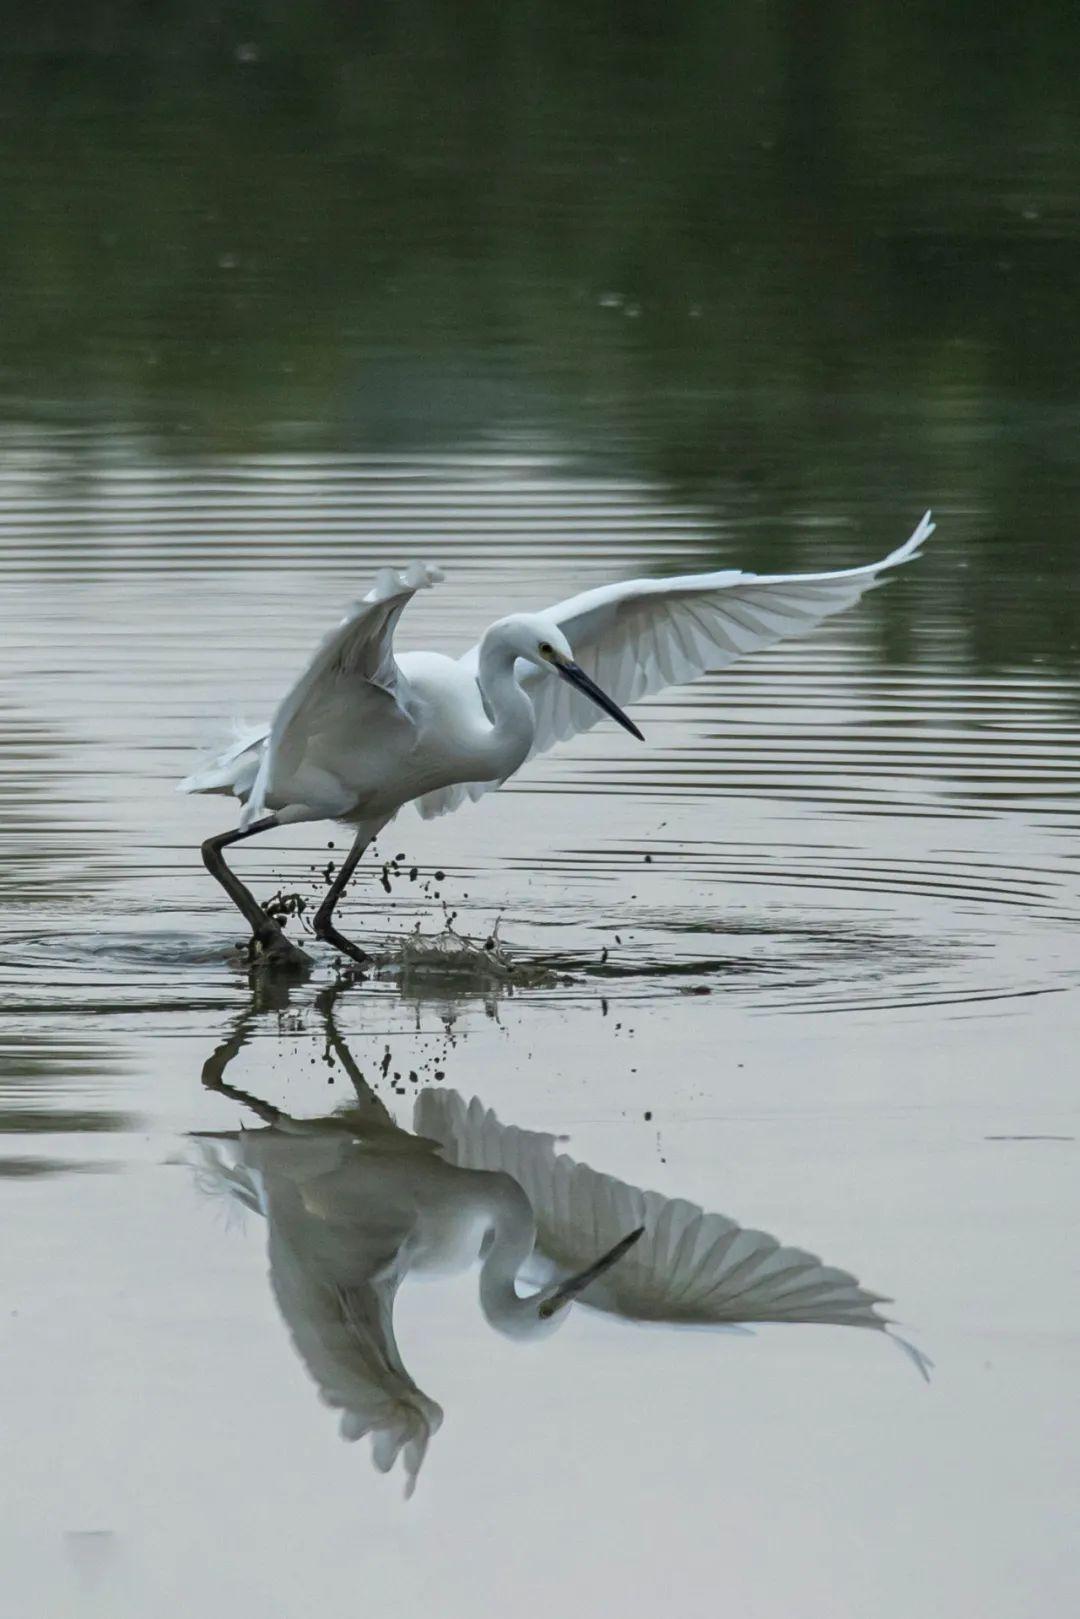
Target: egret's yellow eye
{"x": 546, "y": 649}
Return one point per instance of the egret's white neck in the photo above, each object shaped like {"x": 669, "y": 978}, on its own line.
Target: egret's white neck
{"x": 514, "y": 1235}
{"x": 510, "y": 709}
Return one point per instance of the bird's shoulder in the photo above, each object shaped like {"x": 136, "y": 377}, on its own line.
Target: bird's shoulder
{"x": 440, "y": 683}
{"x": 432, "y": 666}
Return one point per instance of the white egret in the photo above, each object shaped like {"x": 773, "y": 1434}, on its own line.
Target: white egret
{"x": 362, "y": 732}
{"x": 353, "y": 1204}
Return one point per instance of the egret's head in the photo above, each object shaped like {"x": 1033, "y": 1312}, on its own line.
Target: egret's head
{"x": 541, "y": 1313}
{"x": 538, "y": 639}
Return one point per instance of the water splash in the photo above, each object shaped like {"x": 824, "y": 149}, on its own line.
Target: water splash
{"x": 449, "y": 959}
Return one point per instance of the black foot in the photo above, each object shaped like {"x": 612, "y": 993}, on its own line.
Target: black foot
{"x": 330, "y": 933}
{"x": 274, "y": 951}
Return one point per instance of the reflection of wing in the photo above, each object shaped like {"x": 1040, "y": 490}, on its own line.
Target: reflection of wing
{"x": 345, "y": 1337}
{"x": 636, "y": 638}
{"x": 688, "y": 1267}
{"x": 335, "y": 1268}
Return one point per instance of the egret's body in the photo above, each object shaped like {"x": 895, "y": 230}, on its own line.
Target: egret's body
{"x": 354, "y": 1204}
{"x": 363, "y": 732}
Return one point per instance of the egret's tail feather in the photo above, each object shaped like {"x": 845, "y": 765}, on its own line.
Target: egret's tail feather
{"x": 217, "y": 1176}
{"x": 232, "y": 772}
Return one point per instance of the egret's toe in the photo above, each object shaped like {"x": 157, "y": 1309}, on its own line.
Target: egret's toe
{"x": 278, "y": 953}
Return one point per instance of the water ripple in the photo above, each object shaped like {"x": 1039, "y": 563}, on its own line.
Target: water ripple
{"x": 825, "y": 828}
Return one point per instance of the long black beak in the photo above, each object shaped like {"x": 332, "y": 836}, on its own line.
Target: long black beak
{"x": 577, "y": 1284}
{"x": 576, "y": 676}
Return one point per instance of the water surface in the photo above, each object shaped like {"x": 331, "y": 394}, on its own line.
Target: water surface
{"x": 549, "y": 305}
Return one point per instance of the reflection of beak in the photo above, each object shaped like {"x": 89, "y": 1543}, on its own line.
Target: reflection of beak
{"x": 577, "y": 1284}
{"x": 574, "y": 675}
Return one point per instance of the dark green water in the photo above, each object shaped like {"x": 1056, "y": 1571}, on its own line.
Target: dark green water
{"x": 801, "y": 261}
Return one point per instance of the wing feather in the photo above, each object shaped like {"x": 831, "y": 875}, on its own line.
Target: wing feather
{"x": 353, "y": 678}
{"x": 334, "y": 1283}
{"x": 637, "y": 638}
{"x": 353, "y": 670}
{"x": 690, "y": 1266}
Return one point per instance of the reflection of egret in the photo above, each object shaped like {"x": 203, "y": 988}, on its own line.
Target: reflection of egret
{"x": 353, "y": 1204}
{"x": 361, "y": 732}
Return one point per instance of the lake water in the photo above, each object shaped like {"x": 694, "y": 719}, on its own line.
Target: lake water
{"x": 549, "y": 302}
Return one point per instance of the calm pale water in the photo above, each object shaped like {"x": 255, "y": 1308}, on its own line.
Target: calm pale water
{"x": 548, "y": 302}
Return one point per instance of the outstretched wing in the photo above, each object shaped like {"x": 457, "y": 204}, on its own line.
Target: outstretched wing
{"x": 636, "y": 638}
{"x": 344, "y": 1334}
{"x": 351, "y": 684}
{"x": 351, "y": 690}
{"x": 689, "y": 1266}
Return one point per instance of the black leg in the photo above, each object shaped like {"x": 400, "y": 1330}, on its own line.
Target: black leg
{"x": 213, "y": 1073}
{"x": 267, "y": 937}
{"x": 378, "y": 1113}
{"x": 324, "y": 924}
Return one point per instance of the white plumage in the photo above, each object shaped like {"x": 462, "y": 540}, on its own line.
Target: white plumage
{"x": 637, "y": 638}
{"x": 689, "y": 1267}
{"x": 335, "y": 1265}
{"x": 363, "y": 732}
{"x": 353, "y": 1205}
